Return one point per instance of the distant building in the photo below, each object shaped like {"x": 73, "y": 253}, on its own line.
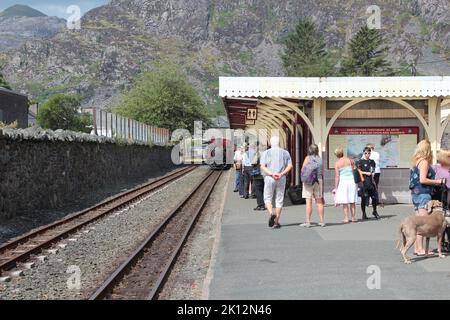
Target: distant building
{"x": 220, "y": 122}
{"x": 13, "y": 107}
{"x": 32, "y": 118}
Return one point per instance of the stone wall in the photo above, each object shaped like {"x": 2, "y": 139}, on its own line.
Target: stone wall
{"x": 42, "y": 170}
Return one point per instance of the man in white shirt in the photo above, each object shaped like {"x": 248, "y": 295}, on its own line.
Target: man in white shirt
{"x": 247, "y": 163}
{"x": 276, "y": 163}
{"x": 238, "y": 155}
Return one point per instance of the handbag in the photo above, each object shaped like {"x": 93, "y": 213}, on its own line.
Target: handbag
{"x": 357, "y": 176}
{"x": 256, "y": 171}
{"x": 256, "y": 168}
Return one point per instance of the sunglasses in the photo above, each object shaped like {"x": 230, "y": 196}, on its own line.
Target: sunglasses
{"x": 366, "y": 152}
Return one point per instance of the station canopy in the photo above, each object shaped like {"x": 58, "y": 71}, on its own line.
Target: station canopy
{"x": 334, "y": 87}
{"x": 281, "y": 101}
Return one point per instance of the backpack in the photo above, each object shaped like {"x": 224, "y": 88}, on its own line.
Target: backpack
{"x": 310, "y": 171}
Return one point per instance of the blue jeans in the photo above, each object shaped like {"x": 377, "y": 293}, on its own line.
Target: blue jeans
{"x": 238, "y": 179}
{"x": 420, "y": 200}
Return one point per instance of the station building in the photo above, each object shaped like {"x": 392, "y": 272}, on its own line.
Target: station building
{"x": 13, "y": 107}
{"x": 393, "y": 113}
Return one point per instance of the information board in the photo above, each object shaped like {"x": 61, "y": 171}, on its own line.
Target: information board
{"x": 395, "y": 145}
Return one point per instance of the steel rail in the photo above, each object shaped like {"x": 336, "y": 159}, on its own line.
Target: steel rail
{"x": 115, "y": 279}
{"x": 70, "y": 224}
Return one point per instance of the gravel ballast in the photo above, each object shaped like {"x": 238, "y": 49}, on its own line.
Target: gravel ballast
{"x": 22, "y": 224}
{"x": 189, "y": 277}
{"x": 93, "y": 255}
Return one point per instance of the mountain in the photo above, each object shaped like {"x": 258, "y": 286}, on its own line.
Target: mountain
{"x": 19, "y": 10}
{"x": 210, "y": 38}
{"x": 19, "y": 24}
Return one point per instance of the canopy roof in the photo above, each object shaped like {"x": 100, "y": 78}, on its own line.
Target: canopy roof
{"x": 334, "y": 87}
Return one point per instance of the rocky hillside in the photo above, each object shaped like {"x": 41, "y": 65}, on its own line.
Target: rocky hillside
{"x": 19, "y": 24}
{"x": 211, "y": 38}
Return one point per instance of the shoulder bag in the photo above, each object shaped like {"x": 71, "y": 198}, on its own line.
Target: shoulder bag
{"x": 357, "y": 175}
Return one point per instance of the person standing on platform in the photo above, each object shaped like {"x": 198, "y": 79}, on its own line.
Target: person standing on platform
{"x": 366, "y": 167}
{"x": 312, "y": 178}
{"x": 442, "y": 170}
{"x": 375, "y": 156}
{"x": 276, "y": 163}
{"x": 247, "y": 162}
{"x": 242, "y": 180}
{"x": 238, "y": 155}
{"x": 421, "y": 179}
{"x": 258, "y": 181}
{"x": 346, "y": 190}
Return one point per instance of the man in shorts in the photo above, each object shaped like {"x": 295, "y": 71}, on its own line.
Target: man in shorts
{"x": 276, "y": 163}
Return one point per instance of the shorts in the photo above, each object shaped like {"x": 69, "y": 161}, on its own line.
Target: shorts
{"x": 272, "y": 186}
{"x": 313, "y": 191}
{"x": 420, "y": 200}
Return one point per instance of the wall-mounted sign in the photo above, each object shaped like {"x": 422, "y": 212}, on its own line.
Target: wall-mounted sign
{"x": 252, "y": 114}
{"x": 395, "y": 144}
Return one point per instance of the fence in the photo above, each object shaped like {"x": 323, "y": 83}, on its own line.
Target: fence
{"x": 115, "y": 126}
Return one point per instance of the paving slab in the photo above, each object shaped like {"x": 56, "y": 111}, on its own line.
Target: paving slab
{"x": 340, "y": 261}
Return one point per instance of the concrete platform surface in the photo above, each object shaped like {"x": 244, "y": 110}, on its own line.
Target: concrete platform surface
{"x": 339, "y": 261}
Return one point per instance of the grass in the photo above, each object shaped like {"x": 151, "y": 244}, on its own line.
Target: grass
{"x": 436, "y": 49}
{"x": 223, "y": 19}
{"x": 246, "y": 57}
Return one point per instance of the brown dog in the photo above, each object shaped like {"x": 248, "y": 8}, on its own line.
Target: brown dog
{"x": 432, "y": 225}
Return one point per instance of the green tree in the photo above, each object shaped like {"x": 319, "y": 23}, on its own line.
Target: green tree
{"x": 164, "y": 98}
{"x": 367, "y": 55}
{"x": 61, "y": 112}
{"x": 305, "y": 54}
{"x": 3, "y": 82}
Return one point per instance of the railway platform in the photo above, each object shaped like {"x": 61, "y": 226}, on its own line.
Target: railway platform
{"x": 339, "y": 261}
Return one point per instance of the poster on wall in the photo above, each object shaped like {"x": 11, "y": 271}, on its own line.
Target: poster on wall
{"x": 395, "y": 145}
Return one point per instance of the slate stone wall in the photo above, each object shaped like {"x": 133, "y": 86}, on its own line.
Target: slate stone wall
{"x": 42, "y": 170}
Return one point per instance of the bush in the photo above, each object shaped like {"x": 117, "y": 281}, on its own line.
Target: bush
{"x": 61, "y": 112}
{"x": 164, "y": 98}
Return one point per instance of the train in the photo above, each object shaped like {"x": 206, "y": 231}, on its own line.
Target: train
{"x": 220, "y": 154}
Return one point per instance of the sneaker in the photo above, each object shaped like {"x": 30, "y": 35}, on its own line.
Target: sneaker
{"x": 306, "y": 225}
{"x": 322, "y": 224}
{"x": 272, "y": 220}
{"x": 277, "y": 226}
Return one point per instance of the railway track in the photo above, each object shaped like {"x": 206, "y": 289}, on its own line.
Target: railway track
{"x": 21, "y": 249}
{"x": 142, "y": 275}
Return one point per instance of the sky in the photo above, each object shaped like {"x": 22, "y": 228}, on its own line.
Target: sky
{"x": 55, "y": 7}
